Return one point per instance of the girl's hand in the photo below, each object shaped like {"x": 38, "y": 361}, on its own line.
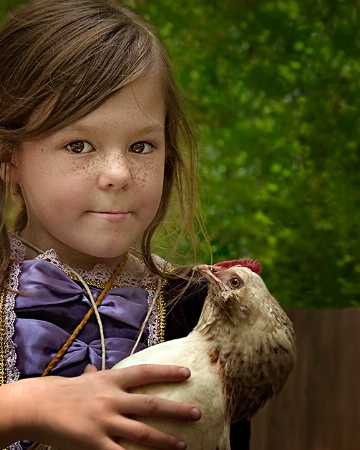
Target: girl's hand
{"x": 89, "y": 412}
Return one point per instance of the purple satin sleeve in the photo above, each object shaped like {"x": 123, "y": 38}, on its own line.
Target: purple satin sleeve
{"x": 50, "y": 306}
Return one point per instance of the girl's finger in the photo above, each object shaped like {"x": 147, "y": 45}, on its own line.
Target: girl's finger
{"x": 140, "y": 375}
{"x": 144, "y": 434}
{"x": 148, "y": 405}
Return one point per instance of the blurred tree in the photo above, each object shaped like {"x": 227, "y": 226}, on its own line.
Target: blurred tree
{"x": 272, "y": 89}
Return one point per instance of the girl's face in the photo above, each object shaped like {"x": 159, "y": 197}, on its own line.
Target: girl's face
{"x": 92, "y": 188}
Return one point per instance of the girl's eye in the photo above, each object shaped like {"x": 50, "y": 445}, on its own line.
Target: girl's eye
{"x": 141, "y": 147}
{"x": 79, "y": 147}
{"x": 236, "y": 282}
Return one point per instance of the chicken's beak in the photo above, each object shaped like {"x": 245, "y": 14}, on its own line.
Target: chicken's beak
{"x": 210, "y": 274}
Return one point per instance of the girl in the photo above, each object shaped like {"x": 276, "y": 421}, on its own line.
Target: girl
{"x": 90, "y": 125}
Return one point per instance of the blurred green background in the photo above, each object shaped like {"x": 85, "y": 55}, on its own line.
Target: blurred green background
{"x": 272, "y": 91}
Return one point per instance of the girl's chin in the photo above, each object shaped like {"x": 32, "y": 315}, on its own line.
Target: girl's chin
{"x": 87, "y": 259}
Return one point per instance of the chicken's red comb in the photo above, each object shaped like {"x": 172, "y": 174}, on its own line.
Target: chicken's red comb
{"x": 251, "y": 264}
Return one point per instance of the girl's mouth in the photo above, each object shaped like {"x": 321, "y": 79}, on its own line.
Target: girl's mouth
{"x": 113, "y": 216}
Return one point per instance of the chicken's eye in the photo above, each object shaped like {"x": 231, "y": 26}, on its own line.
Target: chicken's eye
{"x": 235, "y": 282}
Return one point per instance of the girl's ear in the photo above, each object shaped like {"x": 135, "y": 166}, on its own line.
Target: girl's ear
{"x": 9, "y": 173}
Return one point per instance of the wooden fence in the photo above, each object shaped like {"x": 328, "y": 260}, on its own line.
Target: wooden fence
{"x": 319, "y": 407}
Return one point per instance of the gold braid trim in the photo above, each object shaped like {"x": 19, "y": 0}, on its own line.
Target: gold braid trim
{"x": 3, "y": 294}
{"x": 161, "y": 313}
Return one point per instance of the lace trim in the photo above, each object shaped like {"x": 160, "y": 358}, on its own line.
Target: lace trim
{"x": 153, "y": 322}
{"x": 99, "y": 275}
{"x": 135, "y": 273}
{"x": 9, "y": 371}
{"x": 18, "y": 249}
{"x": 156, "y": 323}
{"x": 16, "y": 446}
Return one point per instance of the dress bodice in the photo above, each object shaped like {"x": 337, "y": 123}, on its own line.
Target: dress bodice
{"x": 47, "y": 304}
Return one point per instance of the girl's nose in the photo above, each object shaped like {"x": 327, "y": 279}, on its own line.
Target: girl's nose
{"x": 115, "y": 172}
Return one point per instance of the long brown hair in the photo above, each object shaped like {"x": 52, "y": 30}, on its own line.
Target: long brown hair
{"x": 73, "y": 55}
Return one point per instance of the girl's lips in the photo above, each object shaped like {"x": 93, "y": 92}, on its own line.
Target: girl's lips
{"x": 112, "y": 216}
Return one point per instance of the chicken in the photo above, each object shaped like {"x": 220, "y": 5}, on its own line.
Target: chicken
{"x": 240, "y": 354}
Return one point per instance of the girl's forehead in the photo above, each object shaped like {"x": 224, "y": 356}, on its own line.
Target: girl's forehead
{"x": 147, "y": 91}
{"x": 140, "y": 101}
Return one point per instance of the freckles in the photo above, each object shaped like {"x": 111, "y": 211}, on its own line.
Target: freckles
{"x": 90, "y": 168}
{"x": 84, "y": 170}
{"x": 141, "y": 175}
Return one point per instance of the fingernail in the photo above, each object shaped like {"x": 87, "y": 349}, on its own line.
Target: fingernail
{"x": 181, "y": 445}
{"x": 195, "y": 414}
{"x": 185, "y": 372}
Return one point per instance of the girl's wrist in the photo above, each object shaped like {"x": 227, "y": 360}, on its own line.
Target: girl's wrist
{"x": 18, "y": 406}
{"x": 11, "y": 412}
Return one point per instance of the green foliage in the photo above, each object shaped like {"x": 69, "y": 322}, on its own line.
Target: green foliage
{"x": 7, "y": 5}
{"x": 272, "y": 88}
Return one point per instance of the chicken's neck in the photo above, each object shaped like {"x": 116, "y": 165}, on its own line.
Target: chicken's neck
{"x": 209, "y": 319}
{"x": 218, "y": 341}
{"x": 215, "y": 329}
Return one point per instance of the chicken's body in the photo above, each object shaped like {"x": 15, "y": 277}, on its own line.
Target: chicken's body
{"x": 240, "y": 354}
{"x": 189, "y": 352}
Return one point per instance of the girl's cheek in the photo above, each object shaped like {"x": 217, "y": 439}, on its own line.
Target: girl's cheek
{"x": 141, "y": 176}
{"x": 148, "y": 173}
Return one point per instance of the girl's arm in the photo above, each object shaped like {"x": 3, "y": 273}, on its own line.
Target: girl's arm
{"x": 92, "y": 410}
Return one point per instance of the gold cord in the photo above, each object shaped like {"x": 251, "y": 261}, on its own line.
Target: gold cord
{"x": 86, "y": 318}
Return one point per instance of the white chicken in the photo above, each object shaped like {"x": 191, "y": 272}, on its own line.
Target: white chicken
{"x": 240, "y": 354}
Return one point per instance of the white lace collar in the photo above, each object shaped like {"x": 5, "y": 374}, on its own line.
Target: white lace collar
{"x": 134, "y": 274}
